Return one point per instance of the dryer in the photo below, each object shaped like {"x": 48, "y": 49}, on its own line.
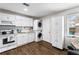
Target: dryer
{"x": 38, "y": 36}
{"x": 37, "y": 25}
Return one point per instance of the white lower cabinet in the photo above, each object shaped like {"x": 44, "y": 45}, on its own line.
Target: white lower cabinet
{"x": 31, "y": 37}
{"x": 3, "y": 49}
{"x": 7, "y": 48}
{"x": 21, "y": 39}
{"x": 24, "y": 38}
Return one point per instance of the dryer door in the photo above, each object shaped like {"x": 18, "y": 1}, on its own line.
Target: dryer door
{"x": 39, "y": 35}
{"x": 39, "y": 24}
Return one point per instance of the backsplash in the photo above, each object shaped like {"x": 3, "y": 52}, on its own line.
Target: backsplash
{"x": 20, "y": 29}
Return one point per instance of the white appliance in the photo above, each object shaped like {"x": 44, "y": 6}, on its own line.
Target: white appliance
{"x": 38, "y": 35}
{"x": 37, "y": 25}
{"x": 7, "y": 40}
{"x": 7, "y": 37}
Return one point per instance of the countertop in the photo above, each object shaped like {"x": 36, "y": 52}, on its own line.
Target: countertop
{"x": 16, "y": 34}
{"x": 25, "y": 32}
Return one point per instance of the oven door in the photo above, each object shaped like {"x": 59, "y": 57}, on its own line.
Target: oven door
{"x": 11, "y": 38}
{"x": 7, "y": 41}
{"x": 2, "y": 41}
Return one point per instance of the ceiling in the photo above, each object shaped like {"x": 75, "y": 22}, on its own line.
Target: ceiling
{"x": 37, "y": 9}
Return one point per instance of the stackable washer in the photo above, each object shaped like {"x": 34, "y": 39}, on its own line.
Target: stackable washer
{"x": 37, "y": 25}
{"x": 39, "y": 36}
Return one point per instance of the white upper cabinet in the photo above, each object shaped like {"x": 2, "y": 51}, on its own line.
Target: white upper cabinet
{"x": 23, "y": 21}
{"x": 18, "y": 21}
{"x": 7, "y": 19}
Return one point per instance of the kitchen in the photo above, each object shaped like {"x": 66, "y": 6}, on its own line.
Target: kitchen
{"x": 48, "y": 31}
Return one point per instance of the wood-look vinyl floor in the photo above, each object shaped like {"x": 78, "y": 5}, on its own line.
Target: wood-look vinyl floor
{"x": 40, "y": 48}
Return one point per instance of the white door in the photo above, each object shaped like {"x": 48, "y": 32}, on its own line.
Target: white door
{"x": 46, "y": 30}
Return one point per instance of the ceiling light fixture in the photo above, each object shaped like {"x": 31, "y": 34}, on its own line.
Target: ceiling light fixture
{"x": 25, "y": 9}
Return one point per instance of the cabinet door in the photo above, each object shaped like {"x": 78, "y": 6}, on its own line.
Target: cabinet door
{"x": 22, "y": 39}
{"x": 57, "y": 32}
{"x": 6, "y": 19}
{"x": 23, "y": 21}
{"x": 25, "y": 39}
{"x": 28, "y": 21}
{"x": 60, "y": 32}
{"x": 53, "y": 32}
{"x": 12, "y": 19}
{"x": 31, "y": 37}
{"x": 46, "y": 30}
{"x": 6, "y": 48}
{"x": 19, "y": 39}
{"x": 18, "y": 21}
{"x": 3, "y": 49}
{"x": 3, "y": 16}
